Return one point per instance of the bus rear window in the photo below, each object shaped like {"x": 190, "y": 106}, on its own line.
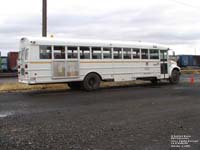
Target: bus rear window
{"x": 45, "y": 52}
{"x": 20, "y": 55}
{"x": 23, "y": 54}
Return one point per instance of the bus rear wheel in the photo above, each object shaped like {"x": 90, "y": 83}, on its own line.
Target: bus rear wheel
{"x": 91, "y": 82}
{"x": 175, "y": 77}
{"x": 74, "y": 85}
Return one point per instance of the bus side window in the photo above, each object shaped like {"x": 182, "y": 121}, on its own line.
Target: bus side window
{"x": 45, "y": 52}
{"x": 72, "y": 52}
{"x": 127, "y": 53}
{"x": 84, "y": 52}
{"x": 144, "y": 53}
{"x": 154, "y": 54}
{"x": 107, "y": 53}
{"x": 96, "y": 52}
{"x": 117, "y": 53}
{"x": 136, "y": 53}
{"x": 59, "y": 52}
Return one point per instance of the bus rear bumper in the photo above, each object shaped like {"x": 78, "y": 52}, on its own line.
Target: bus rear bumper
{"x": 27, "y": 81}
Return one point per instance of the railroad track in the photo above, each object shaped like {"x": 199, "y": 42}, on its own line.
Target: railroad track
{"x": 10, "y": 74}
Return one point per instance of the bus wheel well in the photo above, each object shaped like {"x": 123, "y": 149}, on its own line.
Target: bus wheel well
{"x": 94, "y": 73}
{"x": 175, "y": 76}
{"x": 176, "y": 70}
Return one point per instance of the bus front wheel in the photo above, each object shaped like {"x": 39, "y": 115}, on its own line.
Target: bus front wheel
{"x": 91, "y": 82}
{"x": 175, "y": 77}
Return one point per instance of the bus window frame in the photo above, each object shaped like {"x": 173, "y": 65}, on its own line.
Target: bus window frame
{"x": 51, "y": 52}
{"x": 146, "y": 56}
{"x": 129, "y": 55}
{"x": 96, "y": 48}
{"x": 157, "y": 53}
{"x": 121, "y": 49}
{"x": 107, "y": 49}
{"x": 89, "y": 48}
{"x": 72, "y": 58}
{"x": 133, "y": 50}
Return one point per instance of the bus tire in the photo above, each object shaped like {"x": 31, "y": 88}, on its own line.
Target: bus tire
{"x": 74, "y": 85}
{"x": 91, "y": 82}
{"x": 175, "y": 77}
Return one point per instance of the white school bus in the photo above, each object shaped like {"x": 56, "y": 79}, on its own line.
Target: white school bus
{"x": 85, "y": 63}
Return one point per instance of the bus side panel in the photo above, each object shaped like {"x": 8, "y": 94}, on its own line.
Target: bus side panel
{"x": 103, "y": 68}
{"x": 126, "y": 71}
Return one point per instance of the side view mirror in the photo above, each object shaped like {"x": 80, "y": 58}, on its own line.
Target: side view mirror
{"x": 173, "y": 53}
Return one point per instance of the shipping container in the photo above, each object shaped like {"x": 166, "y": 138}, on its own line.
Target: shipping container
{"x": 4, "y": 64}
{"x": 12, "y": 61}
{"x": 188, "y": 61}
{"x": 197, "y": 61}
{"x": 0, "y": 63}
{"x": 4, "y": 67}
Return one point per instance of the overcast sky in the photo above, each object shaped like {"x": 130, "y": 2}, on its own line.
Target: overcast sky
{"x": 172, "y": 22}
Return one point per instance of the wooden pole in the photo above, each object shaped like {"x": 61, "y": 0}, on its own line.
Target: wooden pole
{"x": 44, "y": 18}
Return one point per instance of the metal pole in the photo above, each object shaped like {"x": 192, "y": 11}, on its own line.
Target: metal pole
{"x": 44, "y": 18}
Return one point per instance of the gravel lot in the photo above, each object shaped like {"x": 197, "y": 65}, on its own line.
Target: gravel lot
{"x": 141, "y": 117}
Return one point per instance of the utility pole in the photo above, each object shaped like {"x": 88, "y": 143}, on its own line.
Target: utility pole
{"x": 44, "y": 18}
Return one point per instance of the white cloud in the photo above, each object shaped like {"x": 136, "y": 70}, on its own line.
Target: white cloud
{"x": 167, "y": 22}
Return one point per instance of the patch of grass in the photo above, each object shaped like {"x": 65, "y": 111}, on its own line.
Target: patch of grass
{"x": 190, "y": 71}
{"x": 14, "y": 87}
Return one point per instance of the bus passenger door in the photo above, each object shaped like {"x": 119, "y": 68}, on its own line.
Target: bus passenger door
{"x": 164, "y": 64}
{"x": 72, "y": 63}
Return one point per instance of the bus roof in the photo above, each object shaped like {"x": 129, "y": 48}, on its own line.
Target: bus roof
{"x": 91, "y": 42}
